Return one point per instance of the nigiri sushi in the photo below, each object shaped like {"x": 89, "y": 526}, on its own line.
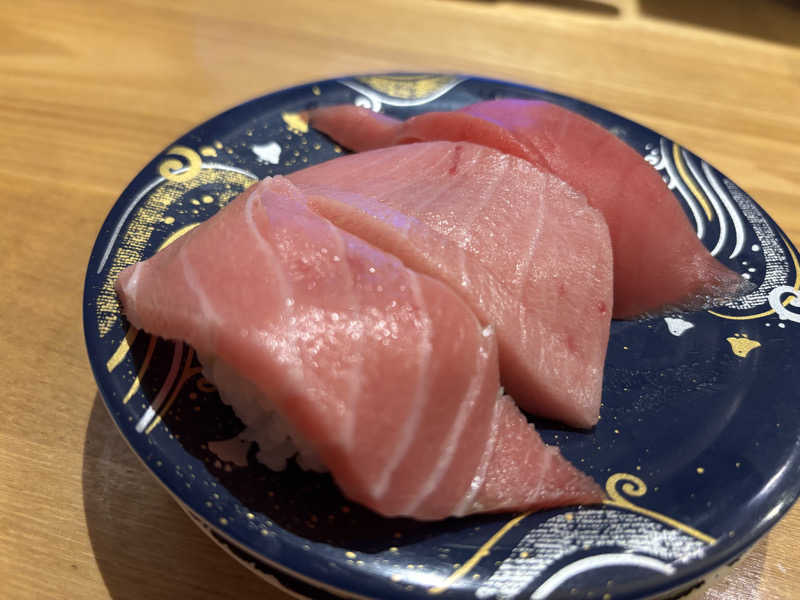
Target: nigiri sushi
{"x": 382, "y": 374}
{"x": 659, "y": 263}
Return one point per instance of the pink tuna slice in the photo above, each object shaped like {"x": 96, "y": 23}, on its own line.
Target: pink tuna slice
{"x": 520, "y": 246}
{"x": 659, "y": 263}
{"x": 385, "y": 372}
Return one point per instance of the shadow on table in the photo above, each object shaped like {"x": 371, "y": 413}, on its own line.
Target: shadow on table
{"x": 144, "y": 544}
{"x": 772, "y": 20}
{"x": 590, "y": 6}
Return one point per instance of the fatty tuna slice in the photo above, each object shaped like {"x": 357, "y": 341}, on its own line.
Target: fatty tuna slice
{"x": 384, "y": 373}
{"x": 520, "y": 246}
{"x": 659, "y": 263}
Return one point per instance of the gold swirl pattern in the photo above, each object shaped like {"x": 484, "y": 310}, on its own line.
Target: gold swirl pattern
{"x": 173, "y": 169}
{"x": 633, "y": 486}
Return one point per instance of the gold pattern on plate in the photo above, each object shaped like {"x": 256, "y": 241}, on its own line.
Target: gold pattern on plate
{"x": 633, "y": 486}
{"x": 295, "y": 122}
{"x": 151, "y": 346}
{"x": 741, "y": 345}
{"x": 407, "y": 87}
{"x": 176, "y": 234}
{"x": 188, "y": 372}
{"x": 150, "y": 213}
{"x": 122, "y": 349}
{"x": 701, "y": 197}
{"x": 208, "y": 151}
{"x": 173, "y": 169}
{"x": 476, "y": 558}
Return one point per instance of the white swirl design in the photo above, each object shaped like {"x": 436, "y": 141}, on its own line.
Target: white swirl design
{"x": 734, "y": 211}
{"x": 775, "y": 258}
{"x": 719, "y": 211}
{"x": 776, "y": 302}
{"x": 730, "y": 207}
{"x": 615, "y": 559}
{"x": 724, "y": 210}
{"x": 602, "y": 532}
{"x": 674, "y": 182}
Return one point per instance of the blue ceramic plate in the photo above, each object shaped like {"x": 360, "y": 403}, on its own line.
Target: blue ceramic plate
{"x": 697, "y": 447}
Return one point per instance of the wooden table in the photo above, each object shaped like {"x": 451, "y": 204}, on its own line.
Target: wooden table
{"x": 90, "y": 91}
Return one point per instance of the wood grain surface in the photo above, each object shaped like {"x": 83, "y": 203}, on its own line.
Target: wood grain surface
{"x": 90, "y": 91}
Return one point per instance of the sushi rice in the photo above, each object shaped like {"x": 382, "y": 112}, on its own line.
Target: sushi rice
{"x": 276, "y": 438}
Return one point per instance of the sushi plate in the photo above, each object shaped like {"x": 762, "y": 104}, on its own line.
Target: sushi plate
{"x": 697, "y": 447}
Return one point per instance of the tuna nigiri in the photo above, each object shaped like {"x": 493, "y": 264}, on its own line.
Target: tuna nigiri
{"x": 521, "y": 247}
{"x": 384, "y": 373}
{"x": 659, "y": 263}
